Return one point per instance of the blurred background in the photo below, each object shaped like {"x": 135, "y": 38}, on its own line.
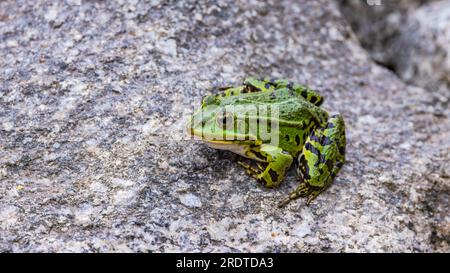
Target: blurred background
{"x": 410, "y": 37}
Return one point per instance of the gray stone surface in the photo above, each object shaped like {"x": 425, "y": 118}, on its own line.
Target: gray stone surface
{"x": 423, "y": 47}
{"x": 379, "y": 23}
{"x": 93, "y": 156}
{"x": 410, "y": 37}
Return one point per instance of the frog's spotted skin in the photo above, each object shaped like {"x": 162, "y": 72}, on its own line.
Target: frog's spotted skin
{"x": 264, "y": 85}
{"x": 321, "y": 159}
{"x": 306, "y": 134}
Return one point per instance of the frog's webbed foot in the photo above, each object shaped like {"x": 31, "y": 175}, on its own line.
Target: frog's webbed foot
{"x": 277, "y": 162}
{"x": 303, "y": 190}
{"x": 321, "y": 159}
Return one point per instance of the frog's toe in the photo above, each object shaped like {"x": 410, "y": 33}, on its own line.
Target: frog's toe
{"x": 312, "y": 195}
{"x": 284, "y": 202}
{"x": 303, "y": 190}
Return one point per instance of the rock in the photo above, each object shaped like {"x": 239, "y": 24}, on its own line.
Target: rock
{"x": 301, "y": 230}
{"x": 94, "y": 155}
{"x": 191, "y": 200}
{"x": 423, "y": 48}
{"x": 8, "y": 217}
{"x": 378, "y": 23}
{"x": 124, "y": 197}
{"x": 168, "y": 46}
{"x": 410, "y": 37}
{"x": 83, "y": 216}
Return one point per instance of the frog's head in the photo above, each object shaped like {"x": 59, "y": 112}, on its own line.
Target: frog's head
{"x": 220, "y": 123}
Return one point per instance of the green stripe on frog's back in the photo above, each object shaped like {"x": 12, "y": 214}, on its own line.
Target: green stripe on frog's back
{"x": 274, "y": 96}
{"x": 251, "y": 85}
{"x": 279, "y": 84}
{"x": 216, "y": 98}
{"x": 278, "y": 89}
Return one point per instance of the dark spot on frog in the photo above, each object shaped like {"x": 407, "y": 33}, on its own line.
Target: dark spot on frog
{"x": 306, "y": 172}
{"x": 273, "y": 175}
{"x": 319, "y": 102}
{"x": 326, "y": 141}
{"x": 302, "y": 158}
{"x": 273, "y": 96}
{"x": 297, "y": 139}
{"x": 321, "y": 159}
{"x": 304, "y": 93}
{"x": 290, "y": 85}
{"x": 286, "y": 137}
{"x": 313, "y": 99}
{"x": 252, "y": 88}
{"x": 312, "y": 149}
{"x": 259, "y": 155}
{"x": 329, "y": 164}
{"x": 330, "y": 125}
{"x": 342, "y": 150}
{"x": 303, "y": 162}
{"x": 267, "y": 85}
{"x": 314, "y": 137}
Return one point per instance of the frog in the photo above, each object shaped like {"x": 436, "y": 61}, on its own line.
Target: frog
{"x": 307, "y": 136}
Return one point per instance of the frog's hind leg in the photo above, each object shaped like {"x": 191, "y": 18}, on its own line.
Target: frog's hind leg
{"x": 277, "y": 160}
{"x": 302, "y": 190}
{"x": 321, "y": 159}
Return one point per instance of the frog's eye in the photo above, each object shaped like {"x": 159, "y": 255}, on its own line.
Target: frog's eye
{"x": 225, "y": 120}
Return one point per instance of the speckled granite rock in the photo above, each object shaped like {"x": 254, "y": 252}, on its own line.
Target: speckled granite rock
{"x": 93, "y": 155}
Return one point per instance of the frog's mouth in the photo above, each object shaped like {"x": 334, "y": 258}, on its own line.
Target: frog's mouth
{"x": 233, "y": 146}
{"x": 219, "y": 144}
{"x": 221, "y": 140}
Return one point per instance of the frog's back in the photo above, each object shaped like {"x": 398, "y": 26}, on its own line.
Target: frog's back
{"x": 297, "y": 119}
{"x": 295, "y": 116}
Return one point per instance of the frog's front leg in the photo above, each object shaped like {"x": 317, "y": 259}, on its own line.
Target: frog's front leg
{"x": 278, "y": 161}
{"x": 321, "y": 159}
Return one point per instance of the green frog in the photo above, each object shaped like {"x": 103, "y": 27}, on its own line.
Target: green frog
{"x": 275, "y": 123}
